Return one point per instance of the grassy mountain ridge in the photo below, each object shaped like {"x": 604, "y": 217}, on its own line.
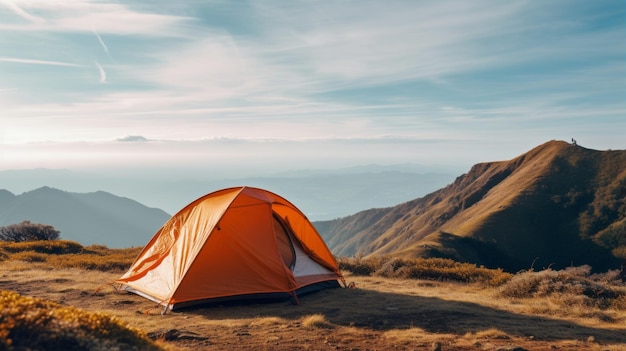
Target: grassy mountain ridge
{"x": 90, "y": 218}
{"x": 558, "y": 204}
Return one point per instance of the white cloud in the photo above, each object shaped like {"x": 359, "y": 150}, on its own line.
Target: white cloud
{"x": 208, "y": 69}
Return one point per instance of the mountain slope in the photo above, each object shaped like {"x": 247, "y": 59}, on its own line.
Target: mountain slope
{"x": 558, "y": 204}
{"x": 90, "y": 218}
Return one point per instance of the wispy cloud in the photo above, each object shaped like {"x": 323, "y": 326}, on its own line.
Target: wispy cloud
{"x": 298, "y": 54}
{"x": 350, "y": 45}
{"x": 38, "y": 62}
{"x": 83, "y": 15}
{"x": 20, "y": 12}
{"x": 103, "y": 74}
{"x": 104, "y": 46}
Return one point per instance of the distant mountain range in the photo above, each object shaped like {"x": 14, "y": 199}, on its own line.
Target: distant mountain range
{"x": 554, "y": 206}
{"x": 321, "y": 194}
{"x": 88, "y": 218}
{"x": 100, "y": 217}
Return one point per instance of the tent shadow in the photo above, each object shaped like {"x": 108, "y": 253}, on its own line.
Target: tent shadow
{"x": 386, "y": 311}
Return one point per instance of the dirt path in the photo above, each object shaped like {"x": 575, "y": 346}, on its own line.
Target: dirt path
{"x": 379, "y": 314}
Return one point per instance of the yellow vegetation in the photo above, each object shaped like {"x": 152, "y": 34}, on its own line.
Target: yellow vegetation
{"x": 424, "y": 268}
{"x": 69, "y": 254}
{"x": 573, "y": 289}
{"x": 316, "y": 321}
{"x": 42, "y": 246}
{"x": 33, "y": 323}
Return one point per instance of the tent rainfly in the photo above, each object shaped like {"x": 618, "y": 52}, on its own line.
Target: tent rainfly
{"x": 234, "y": 243}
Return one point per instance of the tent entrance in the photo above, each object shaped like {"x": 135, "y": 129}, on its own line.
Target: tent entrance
{"x": 284, "y": 240}
{"x": 303, "y": 267}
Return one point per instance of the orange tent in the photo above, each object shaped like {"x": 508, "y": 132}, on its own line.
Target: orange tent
{"x": 232, "y": 243}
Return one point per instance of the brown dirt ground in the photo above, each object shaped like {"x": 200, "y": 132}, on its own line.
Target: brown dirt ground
{"x": 379, "y": 314}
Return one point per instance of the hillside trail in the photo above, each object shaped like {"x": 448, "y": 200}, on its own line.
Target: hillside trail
{"x": 379, "y": 314}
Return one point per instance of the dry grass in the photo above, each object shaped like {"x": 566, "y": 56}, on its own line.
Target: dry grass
{"x": 424, "y": 268}
{"x": 492, "y": 333}
{"x": 572, "y": 286}
{"x": 56, "y": 247}
{"x": 31, "y": 323}
{"x": 69, "y": 254}
{"x": 572, "y": 292}
{"x": 316, "y": 321}
{"x": 30, "y": 256}
{"x": 470, "y": 311}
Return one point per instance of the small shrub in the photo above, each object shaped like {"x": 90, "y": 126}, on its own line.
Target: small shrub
{"x": 34, "y": 324}
{"x": 357, "y": 266}
{"x": 27, "y": 231}
{"x": 569, "y": 287}
{"x": 317, "y": 321}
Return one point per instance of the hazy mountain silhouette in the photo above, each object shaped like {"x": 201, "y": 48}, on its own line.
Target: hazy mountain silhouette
{"x": 88, "y": 218}
{"x": 322, "y": 194}
{"x": 556, "y": 205}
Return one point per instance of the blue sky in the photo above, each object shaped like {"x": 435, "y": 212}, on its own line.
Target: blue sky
{"x": 306, "y": 83}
